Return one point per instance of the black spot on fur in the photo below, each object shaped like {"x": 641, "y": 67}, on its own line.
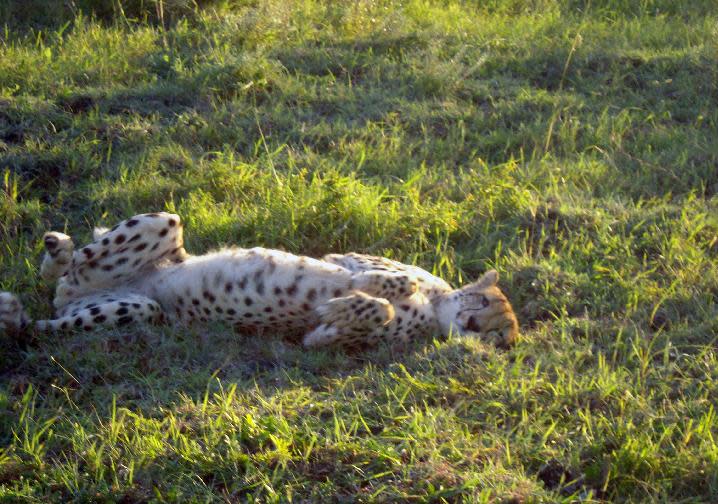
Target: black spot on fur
{"x": 100, "y": 319}
{"x": 94, "y": 311}
{"x": 124, "y": 320}
{"x": 78, "y": 321}
{"x": 107, "y": 267}
{"x": 121, "y": 260}
{"x": 88, "y": 253}
{"x": 228, "y": 287}
{"x": 195, "y": 302}
{"x": 122, "y": 311}
{"x": 231, "y": 311}
{"x": 136, "y": 305}
{"x": 292, "y": 289}
{"x": 164, "y": 232}
{"x": 311, "y": 294}
{"x": 105, "y": 241}
{"x": 248, "y": 301}
{"x": 172, "y": 222}
{"x": 120, "y": 239}
{"x": 131, "y": 222}
{"x": 140, "y": 247}
{"x": 268, "y": 309}
{"x": 134, "y": 238}
{"x": 337, "y": 292}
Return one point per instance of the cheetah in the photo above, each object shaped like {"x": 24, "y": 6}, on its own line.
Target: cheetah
{"x": 139, "y": 271}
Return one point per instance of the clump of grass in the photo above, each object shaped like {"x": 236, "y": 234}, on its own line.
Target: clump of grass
{"x": 568, "y": 144}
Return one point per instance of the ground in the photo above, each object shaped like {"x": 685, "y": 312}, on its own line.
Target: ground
{"x": 570, "y": 145}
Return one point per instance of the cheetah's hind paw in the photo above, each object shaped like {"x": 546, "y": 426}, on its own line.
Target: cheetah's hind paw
{"x": 58, "y": 255}
{"x": 12, "y": 317}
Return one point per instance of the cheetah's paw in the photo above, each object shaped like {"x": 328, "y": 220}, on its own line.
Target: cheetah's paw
{"x": 356, "y": 311}
{"x": 12, "y": 316}
{"x": 385, "y": 284}
{"x": 58, "y": 255}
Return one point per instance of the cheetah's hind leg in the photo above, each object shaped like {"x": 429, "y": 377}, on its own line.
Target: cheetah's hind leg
{"x": 349, "y": 320}
{"x": 100, "y": 310}
{"x": 122, "y": 252}
{"x": 110, "y": 309}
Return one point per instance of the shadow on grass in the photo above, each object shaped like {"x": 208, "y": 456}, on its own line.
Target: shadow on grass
{"x": 148, "y": 367}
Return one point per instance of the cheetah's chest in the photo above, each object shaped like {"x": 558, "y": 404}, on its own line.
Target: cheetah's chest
{"x": 252, "y": 289}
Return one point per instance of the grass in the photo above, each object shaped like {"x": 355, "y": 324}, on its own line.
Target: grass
{"x": 569, "y": 144}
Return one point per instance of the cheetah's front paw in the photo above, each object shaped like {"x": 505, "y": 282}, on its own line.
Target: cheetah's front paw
{"x": 349, "y": 320}
{"x": 356, "y": 311}
{"x": 12, "y": 316}
{"x": 385, "y": 284}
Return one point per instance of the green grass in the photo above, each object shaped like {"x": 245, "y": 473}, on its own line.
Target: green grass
{"x": 569, "y": 144}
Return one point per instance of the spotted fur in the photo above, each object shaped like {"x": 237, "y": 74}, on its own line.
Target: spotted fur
{"x": 138, "y": 271}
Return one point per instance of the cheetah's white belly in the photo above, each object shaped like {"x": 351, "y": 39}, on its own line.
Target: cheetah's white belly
{"x": 252, "y": 288}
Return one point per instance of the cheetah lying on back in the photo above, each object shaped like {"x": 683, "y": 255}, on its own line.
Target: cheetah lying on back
{"x": 139, "y": 272}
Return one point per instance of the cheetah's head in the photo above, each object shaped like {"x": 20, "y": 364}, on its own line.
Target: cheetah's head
{"x": 480, "y": 309}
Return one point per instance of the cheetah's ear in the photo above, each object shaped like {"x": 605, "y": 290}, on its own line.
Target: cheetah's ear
{"x": 488, "y": 279}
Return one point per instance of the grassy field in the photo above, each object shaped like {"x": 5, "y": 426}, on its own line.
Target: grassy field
{"x": 569, "y": 144}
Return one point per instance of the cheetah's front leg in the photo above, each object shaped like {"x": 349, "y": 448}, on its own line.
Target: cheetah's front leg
{"x": 385, "y": 284}
{"x": 349, "y": 320}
